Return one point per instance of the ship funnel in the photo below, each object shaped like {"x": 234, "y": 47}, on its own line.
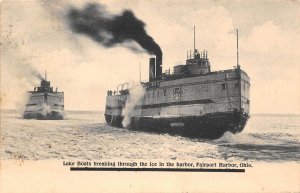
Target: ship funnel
{"x": 155, "y": 67}
{"x": 158, "y": 65}
{"x": 151, "y": 69}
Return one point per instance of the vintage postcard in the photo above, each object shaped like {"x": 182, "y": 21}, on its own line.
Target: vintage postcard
{"x": 150, "y": 96}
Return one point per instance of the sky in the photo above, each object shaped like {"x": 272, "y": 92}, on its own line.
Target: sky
{"x": 35, "y": 35}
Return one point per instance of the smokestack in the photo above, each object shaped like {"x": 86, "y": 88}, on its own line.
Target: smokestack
{"x": 151, "y": 69}
{"x": 155, "y": 67}
{"x": 158, "y": 66}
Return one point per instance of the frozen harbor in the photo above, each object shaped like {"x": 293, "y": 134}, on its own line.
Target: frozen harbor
{"x": 85, "y": 136}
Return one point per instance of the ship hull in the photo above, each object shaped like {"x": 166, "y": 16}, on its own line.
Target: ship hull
{"x": 53, "y": 115}
{"x": 204, "y": 106}
{"x": 45, "y": 106}
{"x": 211, "y": 126}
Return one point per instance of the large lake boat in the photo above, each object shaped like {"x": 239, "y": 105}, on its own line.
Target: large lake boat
{"x": 44, "y": 103}
{"x": 193, "y": 101}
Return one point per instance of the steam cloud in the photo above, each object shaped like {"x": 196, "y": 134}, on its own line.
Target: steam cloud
{"x": 24, "y": 72}
{"x": 134, "y": 98}
{"x": 22, "y": 67}
{"x": 17, "y": 62}
{"x": 110, "y": 30}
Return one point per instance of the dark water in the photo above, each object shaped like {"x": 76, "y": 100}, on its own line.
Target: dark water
{"x": 85, "y": 135}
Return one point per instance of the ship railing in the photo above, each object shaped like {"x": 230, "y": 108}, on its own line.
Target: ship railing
{"x": 56, "y": 92}
{"x": 123, "y": 89}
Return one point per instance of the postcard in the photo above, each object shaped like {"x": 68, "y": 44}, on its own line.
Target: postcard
{"x": 150, "y": 96}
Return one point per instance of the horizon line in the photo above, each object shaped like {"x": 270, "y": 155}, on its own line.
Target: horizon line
{"x": 251, "y": 114}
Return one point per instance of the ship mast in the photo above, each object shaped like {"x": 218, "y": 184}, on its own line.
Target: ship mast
{"x": 194, "y": 42}
{"x": 237, "y": 48}
{"x": 45, "y": 75}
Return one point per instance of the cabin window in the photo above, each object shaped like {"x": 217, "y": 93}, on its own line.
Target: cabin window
{"x": 153, "y": 94}
{"x": 165, "y": 92}
{"x": 223, "y": 86}
{"x": 157, "y": 94}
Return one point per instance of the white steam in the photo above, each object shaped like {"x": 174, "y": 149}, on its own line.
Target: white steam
{"x": 20, "y": 104}
{"x": 242, "y": 138}
{"x": 48, "y": 110}
{"x": 135, "y": 96}
{"x": 25, "y": 77}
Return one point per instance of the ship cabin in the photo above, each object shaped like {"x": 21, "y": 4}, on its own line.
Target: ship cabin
{"x": 198, "y": 64}
{"x": 45, "y": 94}
{"x": 44, "y": 87}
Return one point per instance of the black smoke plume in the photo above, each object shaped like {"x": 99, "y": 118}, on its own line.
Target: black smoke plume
{"x": 37, "y": 74}
{"x": 110, "y": 30}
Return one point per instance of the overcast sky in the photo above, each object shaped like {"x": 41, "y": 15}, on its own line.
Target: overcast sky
{"x": 36, "y": 36}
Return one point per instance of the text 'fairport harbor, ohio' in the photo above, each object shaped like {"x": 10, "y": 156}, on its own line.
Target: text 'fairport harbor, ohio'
{"x": 193, "y": 101}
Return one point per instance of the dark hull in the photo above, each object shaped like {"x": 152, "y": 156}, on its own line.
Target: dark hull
{"x": 210, "y": 126}
{"x": 48, "y": 116}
